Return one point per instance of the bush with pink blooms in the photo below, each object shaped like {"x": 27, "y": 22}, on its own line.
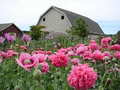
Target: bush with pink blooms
{"x": 50, "y": 64}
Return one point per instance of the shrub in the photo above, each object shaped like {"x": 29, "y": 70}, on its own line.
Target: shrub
{"x": 36, "y": 31}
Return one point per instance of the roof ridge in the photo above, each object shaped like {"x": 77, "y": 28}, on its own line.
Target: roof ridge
{"x": 73, "y": 13}
{"x": 5, "y": 23}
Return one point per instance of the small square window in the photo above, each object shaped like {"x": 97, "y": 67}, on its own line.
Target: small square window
{"x": 62, "y": 17}
{"x": 43, "y": 19}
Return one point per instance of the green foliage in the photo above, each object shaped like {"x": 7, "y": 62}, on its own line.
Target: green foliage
{"x": 117, "y": 36}
{"x": 79, "y": 29}
{"x": 36, "y": 31}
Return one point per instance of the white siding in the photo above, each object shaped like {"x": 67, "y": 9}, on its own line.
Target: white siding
{"x": 53, "y": 21}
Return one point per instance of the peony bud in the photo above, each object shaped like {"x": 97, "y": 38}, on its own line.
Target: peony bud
{"x": 17, "y": 45}
{"x": 39, "y": 67}
{"x": 17, "y": 87}
{"x": 37, "y": 74}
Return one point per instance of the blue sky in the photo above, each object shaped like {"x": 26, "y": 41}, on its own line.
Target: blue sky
{"x": 25, "y": 13}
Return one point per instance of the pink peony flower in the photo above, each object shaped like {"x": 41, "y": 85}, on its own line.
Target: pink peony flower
{"x": 0, "y": 61}
{"x": 80, "y": 45}
{"x": 60, "y": 60}
{"x": 27, "y": 61}
{"x": 69, "y": 48}
{"x": 104, "y": 43}
{"x": 9, "y": 38}
{"x": 4, "y": 55}
{"x": 108, "y": 39}
{"x": 51, "y": 56}
{"x": 75, "y": 61}
{"x": 45, "y": 67}
{"x": 92, "y": 41}
{"x": 115, "y": 47}
{"x": 71, "y": 53}
{"x": 97, "y": 55}
{"x": 104, "y": 46}
{"x": 81, "y": 50}
{"x": 117, "y": 55}
{"x": 106, "y": 54}
{"x": 82, "y": 77}
{"x": 13, "y": 38}
{"x": 87, "y": 55}
{"x": 12, "y": 53}
{"x": 26, "y": 38}
{"x": 93, "y": 46}
{"x": 49, "y": 52}
{"x": 42, "y": 57}
{"x": 24, "y": 47}
{"x": 63, "y": 50}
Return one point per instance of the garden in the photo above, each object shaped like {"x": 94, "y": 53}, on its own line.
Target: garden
{"x": 58, "y": 63}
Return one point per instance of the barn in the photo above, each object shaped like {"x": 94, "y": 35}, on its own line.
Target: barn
{"x": 10, "y": 28}
{"x": 59, "y": 20}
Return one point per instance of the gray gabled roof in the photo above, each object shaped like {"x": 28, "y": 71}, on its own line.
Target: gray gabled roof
{"x": 4, "y": 26}
{"x": 93, "y": 27}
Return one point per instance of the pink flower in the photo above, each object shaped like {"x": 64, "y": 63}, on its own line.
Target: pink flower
{"x": 69, "y": 48}
{"x": 75, "y": 61}
{"x": 51, "y": 56}
{"x": 117, "y": 55}
{"x": 97, "y": 55}
{"x": 27, "y": 61}
{"x": 49, "y": 52}
{"x": 62, "y": 50}
{"x": 108, "y": 39}
{"x": 45, "y": 67}
{"x": 106, "y": 54}
{"x": 104, "y": 43}
{"x": 26, "y": 38}
{"x": 81, "y": 50}
{"x": 9, "y": 38}
{"x": 0, "y": 61}
{"x": 93, "y": 46}
{"x": 87, "y": 55}
{"x": 4, "y": 55}
{"x": 1, "y": 40}
{"x": 82, "y": 77}
{"x": 80, "y": 45}
{"x": 92, "y": 41}
{"x": 42, "y": 57}
{"x": 12, "y": 53}
{"x": 71, "y": 53}
{"x": 60, "y": 60}
{"x": 24, "y": 47}
{"x": 115, "y": 47}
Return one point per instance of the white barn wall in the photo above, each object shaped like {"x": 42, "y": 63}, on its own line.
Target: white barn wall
{"x": 53, "y": 21}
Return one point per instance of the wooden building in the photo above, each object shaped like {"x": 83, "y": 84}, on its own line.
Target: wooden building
{"x": 10, "y": 28}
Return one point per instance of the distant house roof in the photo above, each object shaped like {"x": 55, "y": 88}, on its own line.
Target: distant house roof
{"x": 7, "y": 25}
{"x": 93, "y": 27}
{"x": 4, "y": 26}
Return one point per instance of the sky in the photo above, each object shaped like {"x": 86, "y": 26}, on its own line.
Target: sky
{"x": 25, "y": 13}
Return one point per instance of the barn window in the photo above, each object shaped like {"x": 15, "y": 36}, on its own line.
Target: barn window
{"x": 62, "y": 17}
{"x": 43, "y": 19}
